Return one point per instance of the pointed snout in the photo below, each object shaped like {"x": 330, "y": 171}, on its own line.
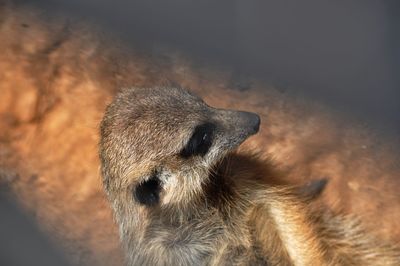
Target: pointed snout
{"x": 236, "y": 126}
{"x": 251, "y": 121}
{"x": 239, "y": 123}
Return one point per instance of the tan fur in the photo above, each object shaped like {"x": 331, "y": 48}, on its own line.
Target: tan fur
{"x": 221, "y": 214}
{"x": 56, "y": 78}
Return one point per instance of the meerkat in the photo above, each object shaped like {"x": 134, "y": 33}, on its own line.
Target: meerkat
{"x": 181, "y": 195}
{"x": 50, "y": 63}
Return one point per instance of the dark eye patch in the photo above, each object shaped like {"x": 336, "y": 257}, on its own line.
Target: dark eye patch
{"x": 148, "y": 192}
{"x": 200, "y": 142}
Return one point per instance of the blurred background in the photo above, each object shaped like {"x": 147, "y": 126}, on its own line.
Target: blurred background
{"x": 343, "y": 53}
{"x": 22, "y": 242}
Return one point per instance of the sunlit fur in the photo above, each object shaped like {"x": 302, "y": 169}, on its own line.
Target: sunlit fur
{"x": 216, "y": 209}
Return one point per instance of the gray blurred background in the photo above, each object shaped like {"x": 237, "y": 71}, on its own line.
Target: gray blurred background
{"x": 345, "y": 53}
{"x": 22, "y": 243}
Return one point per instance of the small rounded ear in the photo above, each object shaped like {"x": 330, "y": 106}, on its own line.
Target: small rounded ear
{"x": 148, "y": 192}
{"x": 312, "y": 189}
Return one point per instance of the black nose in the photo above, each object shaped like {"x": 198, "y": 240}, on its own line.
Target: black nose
{"x": 253, "y": 121}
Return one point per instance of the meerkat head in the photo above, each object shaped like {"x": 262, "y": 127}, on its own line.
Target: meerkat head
{"x": 158, "y": 145}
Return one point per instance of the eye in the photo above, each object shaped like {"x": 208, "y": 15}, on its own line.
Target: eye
{"x": 200, "y": 141}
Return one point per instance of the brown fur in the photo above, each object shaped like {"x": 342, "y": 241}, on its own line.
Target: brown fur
{"x": 219, "y": 215}
{"x": 56, "y": 79}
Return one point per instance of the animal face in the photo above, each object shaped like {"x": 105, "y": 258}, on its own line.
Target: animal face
{"x": 158, "y": 145}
